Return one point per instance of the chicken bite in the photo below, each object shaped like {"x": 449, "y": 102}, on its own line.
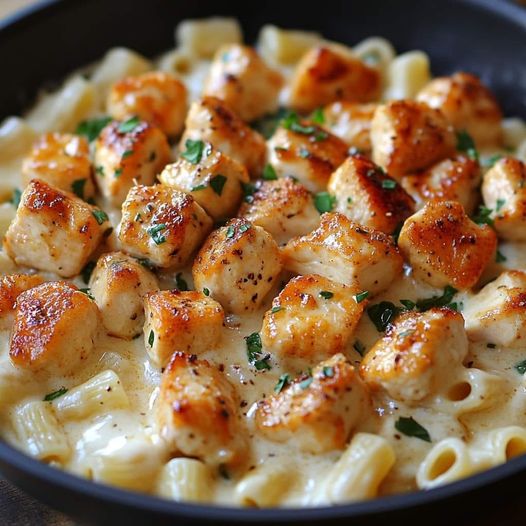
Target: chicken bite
{"x": 284, "y": 208}
{"x": 417, "y": 355}
{"x": 504, "y": 192}
{"x": 306, "y": 152}
{"x": 210, "y": 120}
{"x": 408, "y": 136}
{"x": 61, "y": 160}
{"x": 345, "y": 252}
{"x": 468, "y": 105}
{"x": 11, "y": 286}
{"x": 238, "y": 264}
{"x": 312, "y": 318}
{"x": 444, "y": 247}
{"x": 54, "y": 328}
{"x": 368, "y": 196}
{"x": 212, "y": 178}
{"x": 54, "y": 230}
{"x": 240, "y": 77}
{"x": 326, "y": 74}
{"x": 118, "y": 284}
{"x": 128, "y": 153}
{"x": 155, "y": 97}
{"x": 455, "y": 179}
{"x": 186, "y": 321}
{"x": 497, "y": 313}
{"x": 316, "y": 413}
{"x": 196, "y": 412}
{"x": 163, "y": 225}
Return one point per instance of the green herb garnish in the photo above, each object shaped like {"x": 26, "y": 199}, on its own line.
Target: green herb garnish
{"x": 217, "y": 183}
{"x": 324, "y": 202}
{"x": 180, "y": 282}
{"x": 151, "y": 338}
{"x": 128, "y": 125}
{"x": 466, "y": 144}
{"x": 194, "y": 151}
{"x": 15, "y": 198}
{"x": 87, "y": 271}
{"x": 100, "y": 216}
{"x": 91, "y": 128}
{"x": 87, "y": 291}
{"x": 383, "y": 314}
{"x": 326, "y": 295}
{"x": 155, "y": 233}
{"x": 78, "y": 187}
{"x": 358, "y": 298}
{"x": 411, "y": 428}
{"x": 254, "y": 346}
{"x": 500, "y": 257}
{"x": 388, "y": 184}
{"x": 206, "y": 291}
{"x": 328, "y": 372}
{"x": 275, "y": 309}
{"x": 283, "y": 381}
{"x": 437, "y": 301}
{"x": 521, "y": 367}
{"x": 269, "y": 174}
{"x": 317, "y": 116}
{"x": 55, "y": 394}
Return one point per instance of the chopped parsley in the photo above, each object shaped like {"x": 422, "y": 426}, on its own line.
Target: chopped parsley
{"x": 406, "y": 333}
{"x": 408, "y": 304}
{"x": 269, "y": 174}
{"x": 128, "y": 125}
{"x": 267, "y": 125}
{"x": 466, "y": 144}
{"x": 117, "y": 173}
{"x": 87, "y": 291}
{"x": 326, "y": 295}
{"x": 490, "y": 161}
{"x": 254, "y": 346}
{"x": 180, "y": 282}
{"x": 126, "y": 154}
{"x": 283, "y": 381}
{"x": 388, "y": 184}
{"x": 383, "y": 314}
{"x": 146, "y": 263}
{"x": 317, "y": 116}
{"x": 359, "y": 347}
{"x": 500, "y": 257}
{"x": 55, "y": 394}
{"x": 324, "y": 202}
{"x": 499, "y": 204}
{"x": 194, "y": 151}
{"x": 304, "y": 153}
{"x": 217, "y": 183}
{"x": 328, "y": 372}
{"x": 358, "y": 298}
{"x": 99, "y": 170}
{"x": 305, "y": 383}
{"x": 230, "y": 231}
{"x": 276, "y": 309}
{"x": 15, "y": 198}
{"x": 206, "y": 291}
{"x": 202, "y": 186}
{"x": 521, "y": 367}
{"x": 91, "y": 128}
{"x": 151, "y": 338}
{"x": 87, "y": 271}
{"x": 248, "y": 192}
{"x": 243, "y": 228}
{"x": 155, "y": 233}
{"x": 78, "y": 187}
{"x": 291, "y": 122}
{"x": 411, "y": 428}
{"x": 100, "y": 216}
{"x": 491, "y": 346}
{"x": 438, "y": 301}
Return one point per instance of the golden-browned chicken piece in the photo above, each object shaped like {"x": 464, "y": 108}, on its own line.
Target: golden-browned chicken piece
{"x": 326, "y": 74}
{"x": 445, "y": 247}
{"x": 504, "y": 192}
{"x": 61, "y": 160}
{"x": 128, "y": 153}
{"x": 212, "y": 178}
{"x": 211, "y": 120}
{"x": 181, "y": 321}
{"x": 163, "y": 225}
{"x": 118, "y": 284}
{"x": 54, "y": 230}
{"x": 468, "y": 105}
{"x": 368, "y": 196}
{"x": 306, "y": 152}
{"x": 345, "y": 252}
{"x": 455, "y": 179}
{"x": 240, "y": 77}
{"x": 284, "y": 208}
{"x": 418, "y": 354}
{"x": 408, "y": 136}
{"x": 350, "y": 122}
{"x": 497, "y": 313}
{"x": 238, "y": 265}
{"x": 54, "y": 328}
{"x": 316, "y": 413}
{"x": 156, "y": 97}
{"x": 11, "y": 286}
{"x": 311, "y": 319}
{"x": 196, "y": 412}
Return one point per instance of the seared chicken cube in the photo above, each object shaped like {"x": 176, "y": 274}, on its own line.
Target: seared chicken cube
{"x": 237, "y": 265}
{"x": 181, "y": 321}
{"x": 408, "y": 136}
{"x": 284, "y": 208}
{"x": 54, "y": 230}
{"x": 240, "y": 77}
{"x": 156, "y": 97}
{"x": 368, "y": 196}
{"x": 118, "y": 284}
{"x": 211, "y": 120}
{"x": 311, "y": 319}
{"x": 196, "y": 412}
{"x": 163, "y": 225}
{"x": 54, "y": 328}
{"x": 61, "y": 160}
{"x": 417, "y": 355}
{"x": 468, "y": 105}
{"x": 128, "y": 153}
{"x": 11, "y": 286}
{"x": 316, "y": 413}
{"x": 455, "y": 179}
{"x": 345, "y": 252}
{"x": 504, "y": 192}
{"x": 497, "y": 313}
{"x": 306, "y": 152}
{"x": 350, "y": 122}
{"x": 212, "y": 178}
{"x": 444, "y": 247}
{"x": 326, "y": 74}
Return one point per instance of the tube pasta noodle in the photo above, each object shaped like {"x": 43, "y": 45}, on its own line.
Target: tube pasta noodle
{"x": 499, "y": 445}
{"x": 406, "y": 75}
{"x": 99, "y": 394}
{"x": 186, "y": 479}
{"x": 514, "y": 130}
{"x": 37, "y": 428}
{"x": 521, "y": 151}
{"x": 375, "y": 51}
{"x": 360, "y": 470}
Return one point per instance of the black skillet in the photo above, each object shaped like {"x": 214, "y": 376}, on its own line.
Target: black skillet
{"x": 44, "y": 44}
